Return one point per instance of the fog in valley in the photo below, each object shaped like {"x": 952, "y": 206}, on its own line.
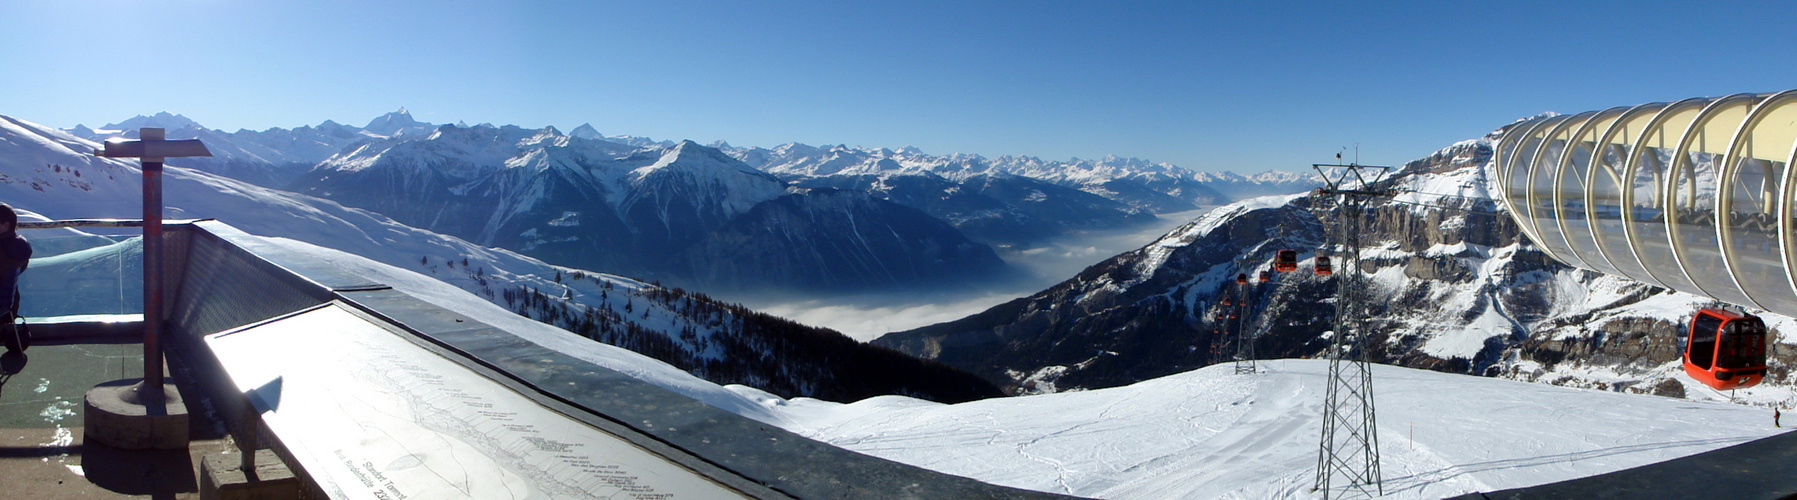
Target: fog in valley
{"x": 868, "y": 316}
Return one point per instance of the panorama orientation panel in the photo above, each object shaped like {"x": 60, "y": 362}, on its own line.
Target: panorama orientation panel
{"x": 1694, "y": 195}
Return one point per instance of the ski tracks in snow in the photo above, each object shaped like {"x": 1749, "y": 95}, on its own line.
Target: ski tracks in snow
{"x": 1275, "y": 415}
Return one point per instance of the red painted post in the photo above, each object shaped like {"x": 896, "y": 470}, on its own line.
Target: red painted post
{"x": 152, "y": 168}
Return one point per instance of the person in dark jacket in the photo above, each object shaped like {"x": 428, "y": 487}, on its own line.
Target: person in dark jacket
{"x": 15, "y": 254}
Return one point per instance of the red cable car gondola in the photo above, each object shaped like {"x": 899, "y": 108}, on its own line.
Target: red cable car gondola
{"x": 1323, "y": 267}
{"x": 1266, "y": 276}
{"x": 1241, "y": 278}
{"x": 1286, "y": 261}
{"x": 1726, "y": 350}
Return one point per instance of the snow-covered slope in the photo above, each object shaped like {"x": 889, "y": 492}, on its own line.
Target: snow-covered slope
{"x": 1211, "y": 433}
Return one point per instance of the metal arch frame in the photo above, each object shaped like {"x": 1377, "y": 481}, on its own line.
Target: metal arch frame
{"x": 1501, "y": 155}
{"x": 1788, "y": 192}
{"x": 1566, "y": 161}
{"x": 1725, "y": 200}
{"x": 1534, "y": 170}
{"x": 1520, "y": 134}
{"x": 1623, "y": 183}
{"x": 1633, "y": 167}
{"x": 1679, "y": 157}
{"x": 1513, "y": 138}
{"x": 1521, "y": 214}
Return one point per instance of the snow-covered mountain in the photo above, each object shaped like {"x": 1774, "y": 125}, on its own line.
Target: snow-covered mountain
{"x": 1453, "y": 287}
{"x": 53, "y": 174}
{"x": 1135, "y": 183}
{"x": 686, "y": 214}
{"x": 566, "y": 198}
{"x": 268, "y": 158}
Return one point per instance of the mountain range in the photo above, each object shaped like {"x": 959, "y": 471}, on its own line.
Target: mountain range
{"x": 692, "y": 215}
{"x": 50, "y": 174}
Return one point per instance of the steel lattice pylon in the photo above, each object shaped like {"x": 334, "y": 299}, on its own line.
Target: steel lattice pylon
{"x": 1244, "y": 342}
{"x": 1350, "y": 442}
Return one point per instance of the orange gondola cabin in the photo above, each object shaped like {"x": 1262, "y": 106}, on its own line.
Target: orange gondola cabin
{"x": 1266, "y": 276}
{"x": 1726, "y": 350}
{"x": 1286, "y": 261}
{"x": 1323, "y": 267}
{"x": 1241, "y": 278}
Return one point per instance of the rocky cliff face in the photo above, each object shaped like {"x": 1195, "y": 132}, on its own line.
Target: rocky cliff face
{"x": 1452, "y": 286}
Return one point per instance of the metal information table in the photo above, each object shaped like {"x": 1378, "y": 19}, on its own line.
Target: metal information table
{"x": 368, "y": 414}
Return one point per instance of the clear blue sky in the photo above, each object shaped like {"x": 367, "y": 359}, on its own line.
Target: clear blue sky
{"x": 1244, "y": 86}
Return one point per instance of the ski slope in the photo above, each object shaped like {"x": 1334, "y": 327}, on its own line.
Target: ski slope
{"x": 1211, "y": 433}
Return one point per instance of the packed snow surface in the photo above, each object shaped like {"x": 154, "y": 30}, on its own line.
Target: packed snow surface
{"x": 1211, "y": 433}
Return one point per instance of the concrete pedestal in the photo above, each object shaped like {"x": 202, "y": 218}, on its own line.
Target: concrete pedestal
{"x": 222, "y": 477}
{"x": 121, "y": 415}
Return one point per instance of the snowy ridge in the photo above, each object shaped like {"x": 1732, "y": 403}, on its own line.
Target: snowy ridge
{"x": 1146, "y": 185}
{"x": 270, "y": 157}
{"x": 732, "y": 185}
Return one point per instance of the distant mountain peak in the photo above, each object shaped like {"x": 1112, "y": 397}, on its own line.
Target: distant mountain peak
{"x": 162, "y": 119}
{"x": 391, "y": 123}
{"x": 586, "y": 131}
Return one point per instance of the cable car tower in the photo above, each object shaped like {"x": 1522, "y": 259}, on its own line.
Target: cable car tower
{"x": 1350, "y": 443}
{"x": 1244, "y": 336}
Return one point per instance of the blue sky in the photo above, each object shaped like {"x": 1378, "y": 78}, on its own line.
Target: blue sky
{"x": 1245, "y": 86}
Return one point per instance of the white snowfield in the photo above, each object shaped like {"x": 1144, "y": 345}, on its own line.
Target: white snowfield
{"x": 1211, "y": 433}
{"x": 1208, "y": 433}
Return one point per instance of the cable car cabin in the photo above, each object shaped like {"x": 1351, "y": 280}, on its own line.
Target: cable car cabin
{"x": 1286, "y": 261}
{"x": 1241, "y": 278}
{"x": 1266, "y": 276}
{"x": 1726, "y": 350}
{"x": 1323, "y": 267}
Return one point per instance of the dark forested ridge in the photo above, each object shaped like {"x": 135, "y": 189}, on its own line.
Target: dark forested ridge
{"x": 730, "y": 344}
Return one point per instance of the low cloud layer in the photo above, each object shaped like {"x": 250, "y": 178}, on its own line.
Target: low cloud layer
{"x": 866, "y": 317}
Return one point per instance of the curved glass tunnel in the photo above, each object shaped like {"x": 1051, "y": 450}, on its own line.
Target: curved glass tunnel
{"x": 1694, "y": 195}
